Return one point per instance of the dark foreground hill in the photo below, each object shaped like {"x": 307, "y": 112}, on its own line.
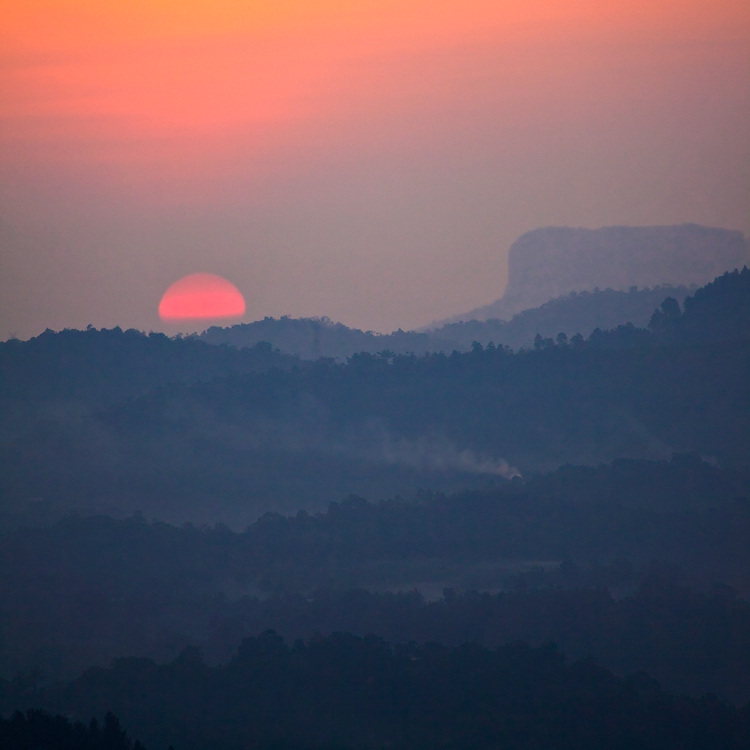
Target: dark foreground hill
{"x": 345, "y": 692}
{"x": 40, "y": 730}
{"x": 86, "y": 590}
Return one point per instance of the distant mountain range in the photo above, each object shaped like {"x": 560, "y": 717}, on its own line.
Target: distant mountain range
{"x": 555, "y": 261}
{"x": 561, "y": 280}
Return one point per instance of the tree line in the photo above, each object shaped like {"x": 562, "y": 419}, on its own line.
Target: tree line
{"x": 343, "y": 691}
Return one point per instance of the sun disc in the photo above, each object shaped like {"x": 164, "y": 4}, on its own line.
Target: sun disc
{"x": 201, "y": 296}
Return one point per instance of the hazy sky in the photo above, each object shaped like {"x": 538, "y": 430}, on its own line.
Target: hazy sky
{"x": 369, "y": 161}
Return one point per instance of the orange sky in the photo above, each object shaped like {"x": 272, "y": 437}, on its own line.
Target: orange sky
{"x": 143, "y": 80}
{"x": 167, "y": 103}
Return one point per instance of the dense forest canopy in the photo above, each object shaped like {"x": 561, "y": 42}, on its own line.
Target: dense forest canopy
{"x": 72, "y": 373}
{"x": 84, "y": 587}
{"x": 379, "y": 425}
{"x": 588, "y": 492}
{"x": 344, "y": 691}
{"x": 39, "y": 730}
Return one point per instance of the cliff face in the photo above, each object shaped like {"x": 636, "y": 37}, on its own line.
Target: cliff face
{"x": 550, "y": 262}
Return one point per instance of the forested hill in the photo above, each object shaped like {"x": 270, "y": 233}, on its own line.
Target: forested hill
{"x": 229, "y": 449}
{"x": 720, "y": 303}
{"x": 87, "y": 589}
{"x": 344, "y": 692}
{"x": 577, "y": 313}
{"x": 719, "y": 311}
{"x": 311, "y": 338}
{"x": 71, "y": 373}
{"x": 382, "y": 425}
{"x": 587, "y": 491}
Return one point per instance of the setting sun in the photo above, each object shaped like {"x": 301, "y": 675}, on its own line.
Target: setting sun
{"x": 201, "y": 296}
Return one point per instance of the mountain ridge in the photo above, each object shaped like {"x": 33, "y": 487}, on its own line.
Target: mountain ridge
{"x": 549, "y": 262}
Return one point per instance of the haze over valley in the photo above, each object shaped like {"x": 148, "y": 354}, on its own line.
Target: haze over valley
{"x": 375, "y": 375}
{"x": 435, "y": 473}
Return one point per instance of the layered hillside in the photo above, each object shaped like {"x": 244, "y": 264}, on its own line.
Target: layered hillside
{"x": 554, "y": 261}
